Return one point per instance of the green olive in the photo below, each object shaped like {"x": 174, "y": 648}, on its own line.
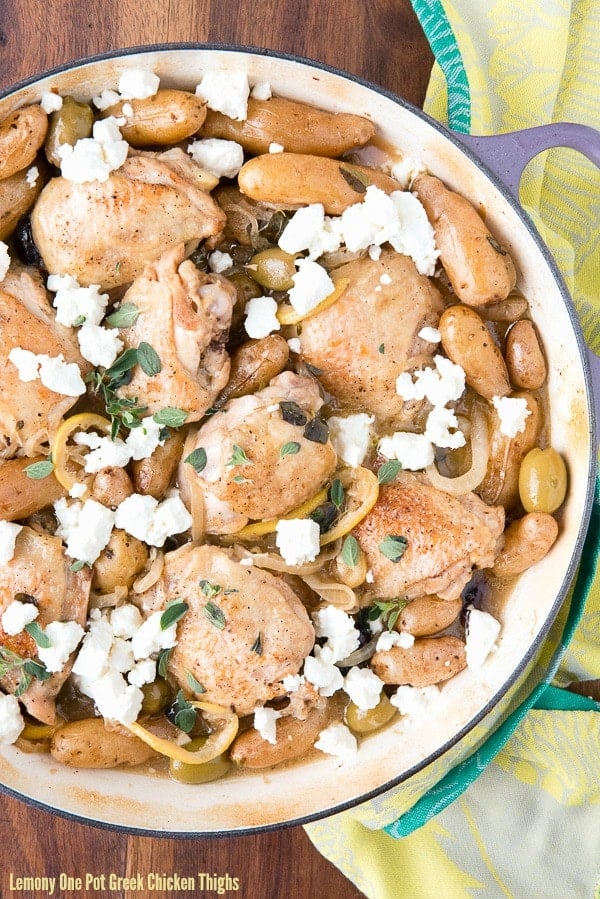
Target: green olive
{"x": 273, "y": 269}
{"x": 199, "y": 774}
{"x": 72, "y": 122}
{"x": 542, "y": 480}
{"x": 156, "y": 696}
{"x": 365, "y": 722}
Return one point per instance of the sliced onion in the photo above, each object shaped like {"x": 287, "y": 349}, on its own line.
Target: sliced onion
{"x": 334, "y": 593}
{"x": 152, "y": 575}
{"x": 274, "y": 562}
{"x": 480, "y": 451}
{"x": 362, "y": 654}
{"x": 269, "y": 525}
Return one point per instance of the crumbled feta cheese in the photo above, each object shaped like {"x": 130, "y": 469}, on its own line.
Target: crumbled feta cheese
{"x": 338, "y": 740}
{"x": 94, "y": 158}
{"x": 54, "y": 373}
{"x": 274, "y": 147}
{"x": 150, "y": 521}
{"x": 92, "y": 658}
{"x": 32, "y": 175}
{"x": 261, "y": 91}
{"x": 126, "y": 620}
{"x": 222, "y": 158}
{"x": 11, "y": 719}
{"x": 369, "y": 577}
{"x": 406, "y": 170}
{"x": 394, "y": 638}
{"x": 77, "y": 490}
{"x": 17, "y": 614}
{"x": 431, "y": 335}
{"x": 219, "y": 262}
{"x": 9, "y": 531}
{"x": 226, "y": 92}
{"x": 320, "y": 671}
{"x": 413, "y": 451}
{"x": 4, "y": 260}
{"x": 115, "y": 699}
{"x": 151, "y": 638}
{"x": 74, "y": 303}
{"x": 437, "y": 428}
{"x": 385, "y": 279}
{"x": 138, "y": 84}
{"x": 143, "y": 440}
{"x": 416, "y": 702}
{"x": 351, "y": 436}
{"x": 143, "y": 672}
{"x": 60, "y": 376}
{"x": 26, "y": 363}
{"x": 363, "y": 687}
{"x": 414, "y": 235}
{"x": 512, "y": 412}
{"x": 121, "y": 656}
{"x": 85, "y": 528}
{"x": 374, "y": 252}
{"x": 293, "y": 682}
{"x": 99, "y": 345}
{"x": 481, "y": 632}
{"x": 107, "y": 98}
{"x": 312, "y": 285}
{"x": 104, "y": 452}
{"x": 64, "y": 638}
{"x": 265, "y": 723}
{"x": 294, "y": 345}
{"x": 338, "y": 627}
{"x": 297, "y": 539}
{"x": 51, "y": 102}
{"x": 303, "y": 231}
{"x": 440, "y": 386}
{"x": 261, "y": 317}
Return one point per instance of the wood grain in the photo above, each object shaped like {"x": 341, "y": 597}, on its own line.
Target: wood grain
{"x": 379, "y": 40}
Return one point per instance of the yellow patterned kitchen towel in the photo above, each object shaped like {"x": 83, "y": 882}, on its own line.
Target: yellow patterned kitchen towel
{"x": 528, "y": 826}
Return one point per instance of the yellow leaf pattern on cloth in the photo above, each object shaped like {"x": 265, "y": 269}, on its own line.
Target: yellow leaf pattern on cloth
{"x": 529, "y": 826}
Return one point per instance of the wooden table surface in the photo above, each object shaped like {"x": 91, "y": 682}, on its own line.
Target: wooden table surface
{"x": 377, "y": 39}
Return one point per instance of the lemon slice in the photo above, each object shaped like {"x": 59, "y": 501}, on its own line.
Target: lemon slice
{"x": 362, "y": 493}
{"x": 269, "y": 525}
{"x": 66, "y": 469}
{"x": 216, "y": 743}
{"x": 287, "y": 315}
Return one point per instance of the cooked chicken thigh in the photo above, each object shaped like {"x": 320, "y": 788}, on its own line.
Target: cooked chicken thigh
{"x": 244, "y": 631}
{"x": 446, "y": 537}
{"x": 265, "y": 481}
{"x": 40, "y": 573}
{"x": 370, "y": 335}
{"x": 106, "y": 232}
{"x": 29, "y": 411}
{"x": 185, "y": 316}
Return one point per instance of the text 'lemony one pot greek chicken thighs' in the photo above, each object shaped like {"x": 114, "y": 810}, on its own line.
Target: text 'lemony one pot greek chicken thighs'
{"x": 272, "y": 430}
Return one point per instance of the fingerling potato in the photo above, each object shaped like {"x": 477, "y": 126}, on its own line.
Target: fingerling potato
{"x": 500, "y": 485}
{"x": 21, "y": 496}
{"x": 294, "y": 737}
{"x": 297, "y": 127}
{"x": 21, "y": 136}
{"x": 72, "y": 122}
{"x": 428, "y": 661}
{"x": 298, "y": 179}
{"x": 468, "y": 343}
{"x": 479, "y": 268}
{"x": 168, "y": 117}
{"x": 88, "y": 743}
{"x": 17, "y": 196}
{"x": 153, "y": 476}
{"x": 526, "y": 541}
{"x": 428, "y": 615}
{"x": 253, "y": 365}
{"x": 120, "y": 561}
{"x": 524, "y": 357}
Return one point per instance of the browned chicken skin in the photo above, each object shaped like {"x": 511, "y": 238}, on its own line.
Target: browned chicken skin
{"x": 263, "y": 635}
{"x": 370, "y": 335}
{"x": 28, "y": 410}
{"x": 40, "y": 570}
{"x": 123, "y": 223}
{"x": 185, "y": 316}
{"x": 446, "y": 538}
{"x": 272, "y": 483}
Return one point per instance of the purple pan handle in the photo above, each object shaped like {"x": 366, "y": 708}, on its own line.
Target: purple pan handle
{"x": 506, "y": 155}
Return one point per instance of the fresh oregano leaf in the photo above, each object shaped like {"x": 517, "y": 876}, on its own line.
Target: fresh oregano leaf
{"x": 393, "y": 548}
{"x": 174, "y": 611}
{"x": 148, "y": 359}
{"x": 350, "y": 551}
{"x": 197, "y": 459}
{"x": 389, "y": 471}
